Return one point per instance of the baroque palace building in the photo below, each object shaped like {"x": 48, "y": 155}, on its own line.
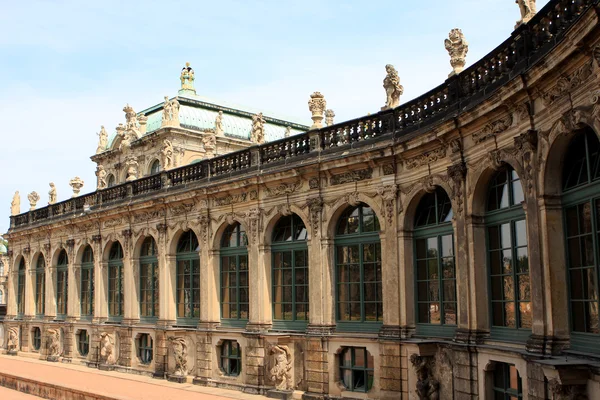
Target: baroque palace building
{"x": 445, "y": 248}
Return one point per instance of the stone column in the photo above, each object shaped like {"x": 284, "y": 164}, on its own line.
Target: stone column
{"x": 100, "y": 281}
{"x": 406, "y": 283}
{"x": 209, "y": 276}
{"x": 11, "y": 285}
{"x": 477, "y": 276}
{"x": 258, "y": 276}
{"x": 71, "y": 282}
{"x": 29, "y": 288}
{"x": 166, "y": 278}
{"x": 50, "y": 306}
{"x": 129, "y": 286}
{"x": 134, "y": 289}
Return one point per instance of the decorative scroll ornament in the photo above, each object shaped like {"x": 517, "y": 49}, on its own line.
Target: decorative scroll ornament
{"x": 393, "y": 88}
{"x": 33, "y": 198}
{"x": 180, "y": 353}
{"x": 107, "y": 349}
{"x": 284, "y": 210}
{"x": 493, "y": 128}
{"x": 253, "y": 217}
{"x": 566, "y": 84}
{"x": 388, "y": 195}
{"x": 204, "y": 222}
{"x": 352, "y": 199}
{"x": 457, "y": 47}
{"x": 258, "y": 129}
{"x": 427, "y": 387}
{"x": 329, "y": 116}
{"x": 15, "y": 205}
{"x": 281, "y": 372}
{"x": 316, "y": 106}
{"x": 528, "y": 10}
{"x": 146, "y": 216}
{"x": 351, "y": 176}
{"x": 426, "y": 158}
{"x": 284, "y": 188}
{"x": 76, "y": 183}
{"x": 102, "y": 140}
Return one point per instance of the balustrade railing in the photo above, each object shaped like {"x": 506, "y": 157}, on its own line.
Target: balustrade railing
{"x": 525, "y": 47}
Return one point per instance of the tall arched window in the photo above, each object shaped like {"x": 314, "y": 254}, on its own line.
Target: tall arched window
{"x": 581, "y": 201}
{"x": 40, "y": 285}
{"x": 359, "y": 303}
{"x": 234, "y": 276}
{"x": 111, "y": 181}
{"x": 87, "y": 282}
{"x": 148, "y": 279}
{"x": 155, "y": 167}
{"x": 435, "y": 271}
{"x": 21, "y": 288}
{"x": 508, "y": 259}
{"x": 188, "y": 278}
{"x": 62, "y": 284}
{"x": 115, "y": 282}
{"x": 290, "y": 273}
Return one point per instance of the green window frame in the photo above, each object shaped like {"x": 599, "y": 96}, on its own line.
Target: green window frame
{"x": 115, "y": 283}
{"x": 290, "y": 274}
{"x": 231, "y": 358}
{"x": 435, "y": 266}
{"x": 145, "y": 348}
{"x": 62, "y": 285}
{"x": 507, "y": 382}
{"x": 86, "y": 295}
{"x": 356, "y": 369}
{"x": 36, "y": 338}
{"x": 508, "y": 258}
{"x": 149, "y": 290}
{"x": 235, "y": 302}
{"x": 581, "y": 209}
{"x": 359, "y": 300}
{"x": 21, "y": 288}
{"x": 83, "y": 343}
{"x": 40, "y": 286}
{"x": 188, "y": 279}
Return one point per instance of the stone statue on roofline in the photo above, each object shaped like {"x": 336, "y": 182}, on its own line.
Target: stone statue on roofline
{"x": 528, "y": 10}
{"x": 76, "y": 184}
{"x": 170, "y": 116}
{"x": 15, "y": 205}
{"x": 187, "y": 79}
{"x": 166, "y": 155}
{"x": 52, "y": 194}
{"x": 317, "y": 105}
{"x": 329, "y": 116}
{"x": 258, "y": 130}
{"x": 458, "y": 47}
{"x": 101, "y": 174}
{"x": 219, "y": 124}
{"x": 393, "y": 88}
{"x": 132, "y": 169}
{"x": 131, "y": 122}
{"x": 102, "y": 140}
{"x": 288, "y": 131}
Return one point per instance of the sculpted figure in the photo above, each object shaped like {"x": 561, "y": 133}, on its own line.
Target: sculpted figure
{"x": 258, "y": 131}
{"x": 329, "y": 116}
{"x": 102, "y": 140}
{"x": 219, "y": 123}
{"x": 132, "y": 169}
{"x": 392, "y": 86}
{"x": 528, "y": 10}
{"x": 53, "y": 342}
{"x": 180, "y": 352}
{"x": 12, "y": 342}
{"x": 101, "y": 174}
{"x": 33, "y": 198}
{"x": 281, "y": 372}
{"x": 107, "y": 348}
{"x": 288, "y": 131}
{"x": 210, "y": 144}
{"x": 187, "y": 78}
{"x": 15, "y": 205}
{"x": 427, "y": 386}
{"x": 457, "y": 47}
{"x": 52, "y": 194}
{"x": 170, "y": 115}
{"x": 131, "y": 124}
{"x": 166, "y": 154}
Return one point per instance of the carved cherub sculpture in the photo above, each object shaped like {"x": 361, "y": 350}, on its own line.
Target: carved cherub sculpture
{"x": 281, "y": 373}
{"x": 392, "y": 86}
{"x": 179, "y": 346}
{"x": 219, "y": 123}
{"x": 52, "y": 194}
{"x": 107, "y": 348}
{"x": 101, "y": 174}
{"x": 102, "y": 140}
{"x": 166, "y": 154}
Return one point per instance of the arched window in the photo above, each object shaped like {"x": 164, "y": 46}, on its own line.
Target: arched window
{"x": 358, "y": 270}
{"x": 148, "y": 279}
{"x": 508, "y": 259}
{"x": 188, "y": 278}
{"x": 234, "y": 275}
{"x": 40, "y": 285}
{"x": 155, "y": 167}
{"x": 21, "y": 288}
{"x": 111, "y": 181}
{"x": 1, "y": 268}
{"x": 1, "y": 297}
{"x": 62, "y": 284}
{"x": 435, "y": 271}
{"x": 87, "y": 282}
{"x": 581, "y": 201}
{"x": 290, "y": 272}
{"x": 115, "y": 282}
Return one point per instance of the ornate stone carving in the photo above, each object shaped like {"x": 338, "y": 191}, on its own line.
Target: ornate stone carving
{"x": 288, "y": 131}
{"x": 257, "y": 135}
{"x": 393, "y": 88}
{"x": 281, "y": 372}
{"x": 352, "y": 199}
{"x": 351, "y": 176}
{"x": 52, "y": 194}
{"x": 566, "y": 84}
{"x": 219, "y": 124}
{"x": 102, "y": 140}
{"x": 187, "y": 78}
{"x": 526, "y": 144}
{"x": 253, "y": 217}
{"x": 284, "y": 188}
{"x": 33, "y": 198}
{"x": 15, "y": 205}
{"x": 329, "y": 116}
{"x": 426, "y": 158}
{"x": 457, "y": 47}
{"x": 523, "y": 112}
{"x": 204, "y": 222}
{"x": 131, "y": 123}
{"x": 388, "y": 195}
{"x": 316, "y": 106}
{"x": 146, "y": 216}
{"x": 233, "y": 199}
{"x": 53, "y": 343}
{"x": 313, "y": 183}
{"x": 210, "y": 144}
{"x": 180, "y": 353}
{"x": 170, "y": 116}
{"x": 166, "y": 155}
{"x": 12, "y": 342}
{"x": 455, "y": 146}
{"x": 76, "y": 184}
{"x": 494, "y": 159}
{"x": 388, "y": 169}
{"x": 132, "y": 168}
{"x": 101, "y": 177}
{"x": 566, "y": 392}
{"x": 107, "y": 349}
{"x": 427, "y": 387}
{"x": 142, "y": 121}
{"x": 183, "y": 208}
{"x": 493, "y": 128}
{"x": 528, "y": 10}
{"x": 457, "y": 173}
{"x": 111, "y": 223}
{"x": 315, "y": 208}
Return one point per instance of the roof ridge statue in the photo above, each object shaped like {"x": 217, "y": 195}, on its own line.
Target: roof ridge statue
{"x": 219, "y": 124}
{"x": 102, "y": 140}
{"x": 52, "y": 194}
{"x": 15, "y": 205}
{"x": 258, "y": 129}
{"x": 528, "y": 10}
{"x": 101, "y": 174}
{"x": 393, "y": 88}
{"x": 458, "y": 47}
{"x": 187, "y": 79}
{"x": 170, "y": 116}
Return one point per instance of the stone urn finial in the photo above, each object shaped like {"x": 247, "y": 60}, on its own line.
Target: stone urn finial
{"x": 76, "y": 183}
{"x": 457, "y": 47}
{"x": 33, "y": 198}
{"x": 317, "y": 105}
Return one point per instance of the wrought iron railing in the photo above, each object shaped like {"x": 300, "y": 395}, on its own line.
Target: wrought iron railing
{"x": 528, "y": 44}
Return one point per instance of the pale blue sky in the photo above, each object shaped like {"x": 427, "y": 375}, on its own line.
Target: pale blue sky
{"x": 67, "y": 67}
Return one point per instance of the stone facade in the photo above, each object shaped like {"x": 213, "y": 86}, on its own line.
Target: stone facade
{"x": 518, "y": 115}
